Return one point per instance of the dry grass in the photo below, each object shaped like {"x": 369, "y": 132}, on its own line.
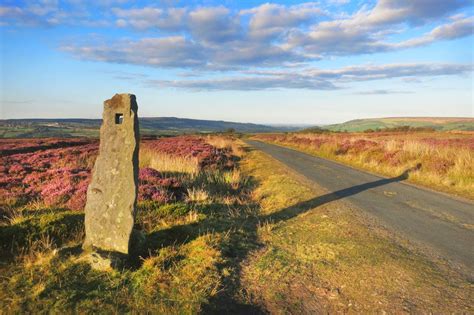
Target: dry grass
{"x": 326, "y": 259}
{"x": 225, "y": 142}
{"x": 197, "y": 252}
{"x": 190, "y": 256}
{"x": 14, "y": 215}
{"x": 197, "y": 195}
{"x": 166, "y": 163}
{"x": 446, "y": 159}
{"x": 234, "y": 179}
{"x": 37, "y": 251}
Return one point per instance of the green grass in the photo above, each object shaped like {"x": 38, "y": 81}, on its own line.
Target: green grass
{"x": 321, "y": 256}
{"x": 442, "y": 124}
{"x": 176, "y": 279}
{"x": 41, "y": 128}
{"x": 263, "y": 240}
{"x": 60, "y": 226}
{"x": 189, "y": 262}
{"x": 22, "y": 131}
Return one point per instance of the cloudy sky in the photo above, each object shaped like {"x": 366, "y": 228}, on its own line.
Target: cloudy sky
{"x": 253, "y": 61}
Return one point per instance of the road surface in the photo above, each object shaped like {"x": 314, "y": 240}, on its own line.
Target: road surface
{"x": 442, "y": 223}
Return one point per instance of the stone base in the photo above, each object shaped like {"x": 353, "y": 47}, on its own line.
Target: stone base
{"x": 103, "y": 261}
{"x": 106, "y": 260}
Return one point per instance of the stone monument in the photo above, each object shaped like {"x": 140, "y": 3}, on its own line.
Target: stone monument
{"x": 112, "y": 193}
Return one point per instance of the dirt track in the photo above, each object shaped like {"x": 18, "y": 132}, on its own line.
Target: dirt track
{"x": 435, "y": 220}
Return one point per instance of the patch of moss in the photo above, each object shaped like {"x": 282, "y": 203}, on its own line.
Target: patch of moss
{"x": 59, "y": 226}
{"x": 62, "y": 285}
{"x": 163, "y": 210}
{"x": 179, "y": 279}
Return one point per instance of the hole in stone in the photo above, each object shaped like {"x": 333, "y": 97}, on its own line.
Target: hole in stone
{"x": 118, "y": 119}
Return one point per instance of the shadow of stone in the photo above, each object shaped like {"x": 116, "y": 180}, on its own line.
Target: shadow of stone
{"x": 67, "y": 251}
{"x": 305, "y": 206}
{"x": 244, "y": 239}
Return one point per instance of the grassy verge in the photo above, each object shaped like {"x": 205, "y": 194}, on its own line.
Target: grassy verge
{"x": 440, "y": 161}
{"x": 324, "y": 256}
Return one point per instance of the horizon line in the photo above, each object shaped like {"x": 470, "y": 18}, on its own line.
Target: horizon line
{"x": 253, "y": 123}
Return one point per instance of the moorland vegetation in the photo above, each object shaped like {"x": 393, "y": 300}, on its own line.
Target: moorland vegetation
{"x": 227, "y": 230}
{"x": 442, "y": 160}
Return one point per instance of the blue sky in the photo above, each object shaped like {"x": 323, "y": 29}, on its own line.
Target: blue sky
{"x": 253, "y": 61}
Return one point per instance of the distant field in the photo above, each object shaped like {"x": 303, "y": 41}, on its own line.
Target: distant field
{"x": 89, "y": 128}
{"x": 437, "y": 123}
{"x": 65, "y": 128}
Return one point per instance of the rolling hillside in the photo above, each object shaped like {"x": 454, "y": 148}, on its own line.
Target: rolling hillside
{"x": 437, "y": 123}
{"x": 32, "y": 128}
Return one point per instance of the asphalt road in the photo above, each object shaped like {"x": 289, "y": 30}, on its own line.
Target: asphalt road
{"x": 435, "y": 220}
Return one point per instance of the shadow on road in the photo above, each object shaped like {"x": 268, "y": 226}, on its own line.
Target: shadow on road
{"x": 305, "y": 206}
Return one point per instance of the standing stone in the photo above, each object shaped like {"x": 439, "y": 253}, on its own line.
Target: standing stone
{"x": 112, "y": 194}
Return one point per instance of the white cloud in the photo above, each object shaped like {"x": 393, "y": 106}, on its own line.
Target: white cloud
{"x": 382, "y": 92}
{"x": 316, "y": 79}
{"x": 177, "y": 51}
{"x": 11, "y": 12}
{"x": 339, "y": 2}
{"x": 460, "y": 27}
{"x": 216, "y": 38}
{"x": 150, "y": 17}
{"x": 245, "y": 83}
{"x": 173, "y": 51}
{"x": 271, "y": 19}
{"x": 365, "y": 31}
{"x": 46, "y": 13}
{"x": 412, "y": 11}
{"x": 214, "y": 25}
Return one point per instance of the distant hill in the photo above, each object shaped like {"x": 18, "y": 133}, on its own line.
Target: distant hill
{"x": 437, "y": 123}
{"x": 32, "y": 128}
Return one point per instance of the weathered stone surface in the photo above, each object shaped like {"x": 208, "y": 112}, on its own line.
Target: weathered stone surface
{"x": 112, "y": 194}
{"x": 101, "y": 261}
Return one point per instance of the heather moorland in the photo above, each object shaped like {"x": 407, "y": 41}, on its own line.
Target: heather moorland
{"x": 226, "y": 229}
